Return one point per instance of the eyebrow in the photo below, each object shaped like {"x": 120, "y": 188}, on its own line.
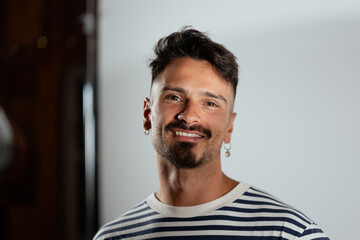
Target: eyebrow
{"x": 202, "y": 93}
{"x": 175, "y": 89}
{"x": 213, "y": 95}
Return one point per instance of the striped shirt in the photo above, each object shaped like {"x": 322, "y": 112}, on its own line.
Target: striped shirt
{"x": 244, "y": 213}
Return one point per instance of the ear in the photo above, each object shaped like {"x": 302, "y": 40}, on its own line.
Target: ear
{"x": 146, "y": 114}
{"x": 230, "y": 128}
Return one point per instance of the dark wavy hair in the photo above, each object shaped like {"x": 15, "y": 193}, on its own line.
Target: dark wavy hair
{"x": 197, "y": 45}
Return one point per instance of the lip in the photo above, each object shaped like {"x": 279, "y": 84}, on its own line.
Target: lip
{"x": 186, "y": 136}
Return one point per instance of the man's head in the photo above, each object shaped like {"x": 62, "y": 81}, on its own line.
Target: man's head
{"x": 191, "y": 107}
{"x": 194, "y": 44}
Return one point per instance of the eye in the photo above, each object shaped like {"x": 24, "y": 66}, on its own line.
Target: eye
{"x": 211, "y": 104}
{"x": 173, "y": 98}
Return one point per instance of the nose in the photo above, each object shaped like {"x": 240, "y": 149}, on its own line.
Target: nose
{"x": 190, "y": 114}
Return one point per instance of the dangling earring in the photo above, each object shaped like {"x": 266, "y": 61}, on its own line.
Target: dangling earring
{"x": 227, "y": 147}
{"x": 146, "y": 132}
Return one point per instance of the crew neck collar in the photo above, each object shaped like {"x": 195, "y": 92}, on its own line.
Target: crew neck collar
{"x": 197, "y": 210}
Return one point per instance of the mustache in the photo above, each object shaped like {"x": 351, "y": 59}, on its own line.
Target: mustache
{"x": 183, "y": 126}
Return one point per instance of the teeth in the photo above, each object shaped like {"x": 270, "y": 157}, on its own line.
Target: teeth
{"x": 184, "y": 134}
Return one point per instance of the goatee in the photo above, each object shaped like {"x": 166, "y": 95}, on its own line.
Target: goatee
{"x": 181, "y": 154}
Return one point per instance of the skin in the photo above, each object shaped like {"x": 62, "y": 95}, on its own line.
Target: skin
{"x": 189, "y": 91}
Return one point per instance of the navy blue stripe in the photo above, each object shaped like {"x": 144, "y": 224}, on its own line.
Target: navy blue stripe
{"x": 267, "y": 196}
{"x": 227, "y": 218}
{"x": 129, "y": 213}
{"x": 206, "y": 218}
{"x": 276, "y": 200}
{"x": 264, "y": 210}
{"x": 258, "y": 190}
{"x": 137, "y": 211}
{"x": 121, "y": 221}
{"x": 255, "y": 210}
{"x": 253, "y": 202}
{"x": 262, "y": 193}
{"x": 270, "y": 197}
{"x": 311, "y": 231}
{"x": 250, "y": 202}
{"x": 212, "y": 228}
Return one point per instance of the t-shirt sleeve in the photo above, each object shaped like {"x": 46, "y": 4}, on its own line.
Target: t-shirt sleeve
{"x": 313, "y": 232}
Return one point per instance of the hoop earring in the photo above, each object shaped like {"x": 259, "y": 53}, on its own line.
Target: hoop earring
{"x": 146, "y": 132}
{"x": 227, "y": 147}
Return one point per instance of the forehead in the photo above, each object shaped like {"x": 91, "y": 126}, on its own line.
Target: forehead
{"x": 192, "y": 75}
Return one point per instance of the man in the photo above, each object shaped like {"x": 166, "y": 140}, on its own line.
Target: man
{"x": 190, "y": 115}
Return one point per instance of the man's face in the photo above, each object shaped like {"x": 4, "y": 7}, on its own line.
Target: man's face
{"x": 190, "y": 113}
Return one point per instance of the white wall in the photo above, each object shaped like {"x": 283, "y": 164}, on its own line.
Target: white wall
{"x": 297, "y": 134}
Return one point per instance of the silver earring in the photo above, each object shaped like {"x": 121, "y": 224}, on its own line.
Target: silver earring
{"x": 146, "y": 132}
{"x": 227, "y": 147}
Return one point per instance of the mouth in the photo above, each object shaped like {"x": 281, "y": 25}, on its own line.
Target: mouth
{"x": 184, "y": 133}
{"x": 187, "y": 134}
{"x": 184, "y": 136}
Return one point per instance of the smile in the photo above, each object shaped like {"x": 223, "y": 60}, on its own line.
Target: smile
{"x": 185, "y": 134}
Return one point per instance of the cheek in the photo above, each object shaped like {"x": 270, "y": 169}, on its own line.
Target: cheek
{"x": 161, "y": 116}
{"x": 219, "y": 126}
{"x": 168, "y": 113}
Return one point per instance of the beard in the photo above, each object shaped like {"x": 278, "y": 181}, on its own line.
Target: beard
{"x": 181, "y": 154}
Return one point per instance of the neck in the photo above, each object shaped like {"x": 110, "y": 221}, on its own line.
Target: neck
{"x": 189, "y": 187}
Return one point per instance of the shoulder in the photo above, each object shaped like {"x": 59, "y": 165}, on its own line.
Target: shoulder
{"x": 263, "y": 207}
{"x": 313, "y": 232}
{"x": 259, "y": 200}
{"x": 115, "y": 228}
